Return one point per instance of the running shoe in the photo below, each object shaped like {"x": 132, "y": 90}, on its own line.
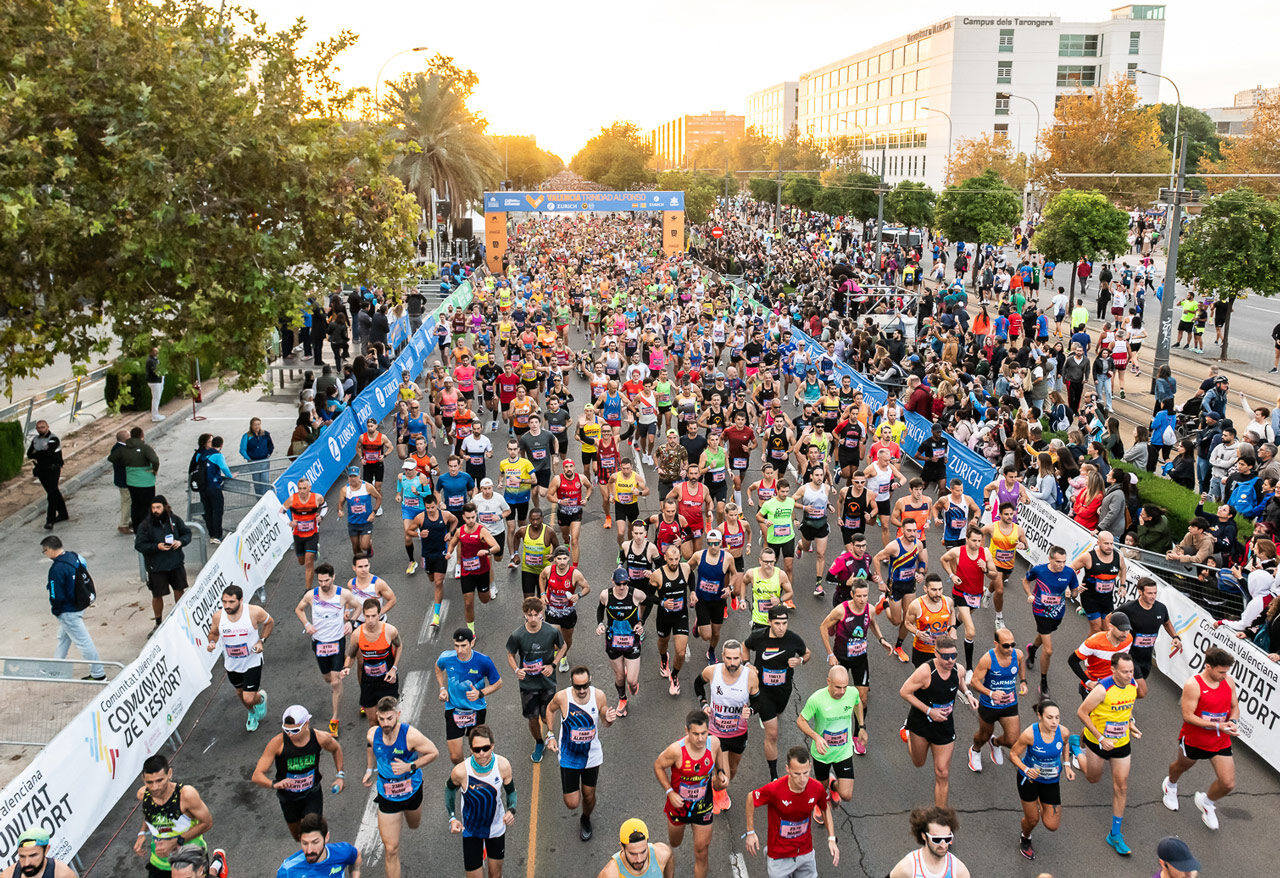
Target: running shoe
{"x": 664, "y": 669}
{"x": 884, "y": 601}
{"x": 412, "y": 568}
{"x": 1208, "y": 811}
{"x": 720, "y": 801}
{"x": 859, "y": 747}
{"x": 1044, "y": 688}
{"x": 218, "y": 864}
{"x": 333, "y": 727}
{"x": 818, "y": 815}
{"x": 1025, "y": 848}
{"x": 608, "y": 522}
{"x": 261, "y": 706}
{"x": 622, "y": 707}
{"x": 538, "y": 749}
{"x": 999, "y": 620}
{"x": 251, "y": 721}
{"x": 1031, "y": 653}
{"x": 564, "y": 665}
{"x": 435, "y": 617}
{"x": 378, "y": 514}
{"x": 902, "y": 654}
{"x": 584, "y": 828}
{"x": 997, "y": 754}
{"x": 975, "y": 760}
{"x": 902, "y": 733}
{"x": 711, "y": 655}
{"x": 818, "y": 590}
{"x": 986, "y": 598}
{"x": 674, "y": 688}
{"x": 1170, "y": 791}
{"x": 1117, "y": 843}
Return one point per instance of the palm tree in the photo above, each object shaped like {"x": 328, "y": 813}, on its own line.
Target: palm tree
{"x": 442, "y": 143}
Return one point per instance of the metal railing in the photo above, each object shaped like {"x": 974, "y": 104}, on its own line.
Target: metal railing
{"x": 82, "y": 391}
{"x": 44, "y": 695}
{"x": 1200, "y": 582}
{"x": 240, "y": 493}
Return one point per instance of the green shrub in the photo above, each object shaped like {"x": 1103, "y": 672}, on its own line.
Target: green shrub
{"x": 1178, "y": 502}
{"x": 125, "y": 388}
{"x": 12, "y": 453}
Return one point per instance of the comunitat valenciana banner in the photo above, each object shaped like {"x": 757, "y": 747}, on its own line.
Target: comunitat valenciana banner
{"x": 95, "y": 761}
{"x": 1258, "y": 677}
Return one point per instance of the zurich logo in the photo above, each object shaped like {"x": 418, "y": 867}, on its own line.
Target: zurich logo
{"x": 334, "y": 449}
{"x": 378, "y": 392}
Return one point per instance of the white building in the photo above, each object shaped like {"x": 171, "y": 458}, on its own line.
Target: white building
{"x": 897, "y": 97}
{"x": 1237, "y": 119}
{"x": 773, "y": 111}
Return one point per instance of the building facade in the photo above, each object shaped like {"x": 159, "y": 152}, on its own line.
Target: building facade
{"x": 909, "y": 99}
{"x": 675, "y": 142}
{"x": 773, "y": 111}
{"x": 1237, "y": 119}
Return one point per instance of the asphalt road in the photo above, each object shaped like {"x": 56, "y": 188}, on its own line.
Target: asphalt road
{"x": 218, "y": 756}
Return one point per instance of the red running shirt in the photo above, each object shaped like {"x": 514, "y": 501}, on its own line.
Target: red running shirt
{"x": 790, "y": 815}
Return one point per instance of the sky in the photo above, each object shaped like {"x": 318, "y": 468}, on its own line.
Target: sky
{"x": 563, "y": 69}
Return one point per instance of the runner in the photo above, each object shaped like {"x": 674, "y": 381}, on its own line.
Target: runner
{"x": 935, "y": 831}
{"x": 475, "y": 547}
{"x": 517, "y": 478}
{"x": 955, "y": 512}
{"x": 638, "y": 857}
{"x": 583, "y": 710}
{"x": 320, "y": 857}
{"x": 1007, "y": 536}
{"x": 931, "y": 725}
{"x": 770, "y": 589}
{"x": 1041, "y": 758}
{"x": 539, "y": 447}
{"x": 856, "y": 507}
{"x": 1000, "y": 678}
{"x": 467, "y": 678}
{"x": 476, "y": 450}
{"x": 434, "y": 527}
{"x": 1047, "y": 586}
{"x": 561, "y": 586}
{"x": 790, "y": 801}
{"x": 304, "y": 511}
{"x": 735, "y": 532}
{"x": 374, "y": 447}
{"x": 33, "y": 860}
{"x": 831, "y": 719}
{"x": 1210, "y": 718}
{"x": 396, "y": 755}
{"x": 376, "y": 651}
{"x": 488, "y": 790}
{"x": 625, "y": 488}
{"x": 295, "y": 755}
{"x": 243, "y": 630}
{"x": 1091, "y": 661}
{"x": 690, "y": 772}
{"x": 1147, "y": 616}
{"x": 929, "y": 617}
{"x": 1107, "y": 717}
{"x": 493, "y": 512}
{"x": 640, "y": 557}
{"x": 970, "y": 569}
{"x": 777, "y": 653}
{"x": 330, "y": 606}
{"x": 670, "y": 584}
{"x": 776, "y": 518}
{"x": 569, "y": 492}
{"x": 882, "y": 477}
{"x": 734, "y": 685}
{"x": 694, "y": 503}
{"x": 533, "y": 651}
{"x": 673, "y": 530}
{"x": 711, "y": 591}
{"x": 173, "y": 814}
{"x": 532, "y": 548}
{"x": 411, "y": 492}
{"x": 618, "y": 621}
{"x": 814, "y": 498}
{"x": 851, "y": 565}
{"x": 360, "y": 500}
{"x": 908, "y": 557}
{"x": 1101, "y": 570}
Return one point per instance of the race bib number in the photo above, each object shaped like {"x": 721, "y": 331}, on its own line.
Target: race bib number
{"x": 851, "y": 522}
{"x": 533, "y": 667}
{"x": 724, "y": 722}
{"x": 836, "y": 739}
{"x": 539, "y": 453}
{"x": 999, "y": 696}
{"x": 1145, "y": 641}
{"x": 673, "y": 605}
{"x": 739, "y": 463}
{"x": 1004, "y": 557}
{"x": 464, "y": 719}
{"x": 1115, "y": 730}
{"x": 793, "y": 828}
{"x": 298, "y": 783}
{"x": 398, "y": 789}
{"x": 773, "y": 678}
{"x": 512, "y": 481}
{"x": 471, "y": 565}
{"x": 1051, "y": 600}
{"x": 692, "y": 791}
{"x": 782, "y": 530}
{"x": 305, "y": 527}
{"x": 582, "y": 736}
{"x": 455, "y": 500}
{"x": 717, "y": 475}
{"x": 1050, "y": 770}
{"x": 856, "y": 648}
{"x": 624, "y": 641}
{"x": 237, "y": 650}
{"x": 944, "y": 710}
{"x": 487, "y": 517}
{"x": 326, "y": 649}
{"x": 764, "y": 604}
{"x": 375, "y": 669}
{"x": 972, "y": 601}
{"x": 939, "y": 453}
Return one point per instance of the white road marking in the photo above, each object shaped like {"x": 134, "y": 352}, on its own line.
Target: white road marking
{"x": 210, "y": 747}
{"x": 425, "y": 634}
{"x": 368, "y": 839}
{"x": 738, "y": 865}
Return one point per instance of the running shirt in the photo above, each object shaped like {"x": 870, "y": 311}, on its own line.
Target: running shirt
{"x": 1002, "y": 681}
{"x": 580, "y": 733}
{"x": 470, "y": 542}
{"x": 559, "y": 591}
{"x": 1043, "y": 755}
{"x": 854, "y": 511}
{"x": 931, "y": 624}
{"x": 880, "y": 482}
{"x": 166, "y": 820}
{"x": 638, "y": 562}
{"x": 917, "y": 512}
{"x": 670, "y": 533}
{"x": 621, "y": 616}
{"x": 305, "y": 514}
{"x": 1214, "y": 706}
{"x": 903, "y": 565}
{"x": 375, "y": 655}
{"x": 1049, "y": 590}
{"x": 1004, "y": 546}
{"x": 359, "y": 504}
{"x": 690, "y": 504}
{"x": 328, "y": 617}
{"x": 1101, "y": 576}
{"x": 626, "y": 489}
{"x": 535, "y": 552}
{"x": 727, "y": 703}
{"x": 691, "y": 780}
{"x": 765, "y": 594}
{"x": 516, "y": 477}
{"x": 462, "y": 677}
{"x": 851, "y": 633}
{"x": 972, "y": 577}
{"x": 238, "y": 638}
{"x": 298, "y": 767}
{"x": 939, "y": 695}
{"x": 772, "y": 656}
{"x": 711, "y": 576}
{"x": 954, "y": 521}
{"x": 778, "y": 513}
{"x": 337, "y": 857}
{"x": 790, "y": 834}
{"x": 483, "y": 805}
{"x": 394, "y": 787}
{"x": 832, "y": 719}
{"x": 1112, "y": 716}
{"x": 569, "y": 493}
{"x": 1096, "y": 653}
{"x": 489, "y": 512}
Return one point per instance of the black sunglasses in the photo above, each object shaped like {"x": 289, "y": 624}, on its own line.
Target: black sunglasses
{"x": 481, "y": 748}
{"x": 947, "y": 656}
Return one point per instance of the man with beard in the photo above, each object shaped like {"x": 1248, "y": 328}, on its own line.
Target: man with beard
{"x": 34, "y": 860}
{"x": 160, "y": 538}
{"x": 320, "y": 858}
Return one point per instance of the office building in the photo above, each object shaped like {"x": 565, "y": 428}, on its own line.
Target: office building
{"x": 1237, "y": 119}
{"x": 909, "y": 99}
{"x": 773, "y": 111}
{"x": 676, "y": 142}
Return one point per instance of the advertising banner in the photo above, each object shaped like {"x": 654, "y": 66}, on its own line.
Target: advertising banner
{"x": 579, "y": 202}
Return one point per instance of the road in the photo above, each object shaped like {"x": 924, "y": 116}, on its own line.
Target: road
{"x": 218, "y": 756}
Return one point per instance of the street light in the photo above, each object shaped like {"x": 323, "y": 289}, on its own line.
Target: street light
{"x": 1035, "y": 107}
{"x": 377, "y": 85}
{"x": 949, "y": 128}
{"x": 1177, "y": 117}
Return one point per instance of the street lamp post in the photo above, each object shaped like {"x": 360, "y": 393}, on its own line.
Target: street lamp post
{"x": 377, "y": 84}
{"x": 1035, "y": 149}
{"x": 950, "y": 127}
{"x": 1177, "y": 118}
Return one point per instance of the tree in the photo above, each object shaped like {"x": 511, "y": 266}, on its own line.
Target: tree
{"x": 911, "y": 204}
{"x": 1257, "y": 152}
{"x": 1232, "y": 249}
{"x": 843, "y": 152}
{"x": 750, "y": 152}
{"x": 850, "y": 193}
{"x": 1203, "y": 143}
{"x": 1081, "y": 225}
{"x": 523, "y": 162}
{"x": 177, "y": 176}
{"x": 616, "y": 158}
{"x": 800, "y": 190}
{"x": 763, "y": 189}
{"x": 700, "y": 191}
{"x": 796, "y": 153}
{"x": 1104, "y": 131}
{"x": 981, "y": 209}
{"x": 972, "y": 156}
{"x": 442, "y": 143}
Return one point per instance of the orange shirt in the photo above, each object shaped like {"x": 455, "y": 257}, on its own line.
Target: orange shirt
{"x": 1096, "y": 652}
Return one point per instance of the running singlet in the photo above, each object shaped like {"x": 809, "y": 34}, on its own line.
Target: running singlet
{"x": 470, "y": 543}
{"x": 954, "y": 521}
{"x": 371, "y": 447}
{"x": 1101, "y": 576}
{"x": 395, "y": 787}
{"x": 559, "y": 595}
{"x": 765, "y": 593}
{"x": 534, "y": 550}
{"x": 931, "y": 624}
{"x": 621, "y": 616}
{"x": 670, "y": 533}
{"x": 580, "y": 735}
{"x": 711, "y": 575}
{"x": 972, "y": 577}
{"x": 919, "y": 514}
{"x": 305, "y": 514}
{"x": 483, "y": 805}
{"x": 1004, "y": 546}
{"x": 298, "y": 767}
{"x": 1044, "y": 755}
{"x": 1214, "y": 706}
{"x": 854, "y": 511}
{"x": 691, "y": 780}
{"x": 1111, "y": 717}
{"x": 238, "y": 638}
{"x": 359, "y": 505}
{"x": 851, "y": 633}
{"x": 691, "y": 504}
{"x": 902, "y": 567}
{"x": 728, "y": 700}
{"x": 569, "y": 493}
{"x": 779, "y": 512}
{"x": 328, "y": 617}
{"x": 1003, "y": 683}
{"x": 626, "y": 489}
{"x": 375, "y": 656}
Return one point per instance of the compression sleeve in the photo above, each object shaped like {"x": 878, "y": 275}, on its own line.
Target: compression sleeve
{"x": 451, "y": 797}
{"x": 1077, "y": 667}
{"x": 700, "y": 687}
{"x": 509, "y": 791}
{"x": 599, "y": 614}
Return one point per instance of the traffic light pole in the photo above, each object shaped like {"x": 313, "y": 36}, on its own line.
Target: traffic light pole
{"x": 1168, "y": 299}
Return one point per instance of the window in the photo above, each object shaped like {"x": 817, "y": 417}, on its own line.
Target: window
{"x": 1001, "y": 131}
{"x": 923, "y": 159}
{"x": 1078, "y": 45}
{"x": 899, "y": 56}
{"x": 907, "y": 111}
{"x": 893, "y": 141}
{"x": 1135, "y": 41}
{"x": 913, "y": 53}
{"x": 1006, "y": 39}
{"x": 922, "y": 140}
{"x": 1004, "y": 72}
{"x": 926, "y": 48}
{"x": 1002, "y": 104}
{"x": 1132, "y": 72}
{"x": 1077, "y": 76}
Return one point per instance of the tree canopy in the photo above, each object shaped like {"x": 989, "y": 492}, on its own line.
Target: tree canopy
{"x": 182, "y": 177}
{"x": 1203, "y": 144}
{"x": 616, "y": 158}
{"x": 1256, "y": 152}
{"x": 911, "y": 204}
{"x": 524, "y": 163}
{"x": 973, "y": 155}
{"x": 700, "y": 192}
{"x": 1081, "y": 225}
{"x": 981, "y": 209}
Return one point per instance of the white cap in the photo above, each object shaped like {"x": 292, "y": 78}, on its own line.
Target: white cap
{"x": 294, "y": 716}
{"x": 486, "y": 483}
{"x": 409, "y": 464}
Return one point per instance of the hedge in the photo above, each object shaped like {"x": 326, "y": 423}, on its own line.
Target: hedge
{"x": 1179, "y": 503}
{"x": 12, "y": 452}
{"x": 129, "y": 377}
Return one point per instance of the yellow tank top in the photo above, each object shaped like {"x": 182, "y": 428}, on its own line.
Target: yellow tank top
{"x": 764, "y": 594}
{"x": 626, "y": 489}
{"x": 1112, "y": 716}
{"x": 590, "y": 435}
{"x": 534, "y": 551}
{"x": 1004, "y": 546}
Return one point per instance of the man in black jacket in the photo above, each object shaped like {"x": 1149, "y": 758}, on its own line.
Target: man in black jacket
{"x": 160, "y": 538}
{"x": 46, "y": 451}
{"x": 62, "y": 601}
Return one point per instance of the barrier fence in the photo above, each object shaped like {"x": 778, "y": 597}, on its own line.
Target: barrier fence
{"x": 75, "y": 781}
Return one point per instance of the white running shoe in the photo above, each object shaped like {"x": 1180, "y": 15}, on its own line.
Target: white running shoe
{"x": 986, "y": 598}
{"x": 999, "y": 620}
{"x": 975, "y": 760}
{"x": 1208, "y": 812}
{"x": 997, "y": 755}
{"x": 1170, "y": 794}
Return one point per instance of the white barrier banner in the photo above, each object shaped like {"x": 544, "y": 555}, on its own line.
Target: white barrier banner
{"x": 1258, "y": 677}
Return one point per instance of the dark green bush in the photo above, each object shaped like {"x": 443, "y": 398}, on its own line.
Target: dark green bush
{"x": 126, "y": 387}
{"x": 12, "y": 452}
{"x": 1178, "y": 502}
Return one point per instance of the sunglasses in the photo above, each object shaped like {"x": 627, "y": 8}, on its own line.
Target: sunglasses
{"x": 583, "y": 688}
{"x": 941, "y": 839}
{"x": 947, "y": 656}
{"x": 291, "y": 731}
{"x": 1005, "y": 645}
{"x": 481, "y": 748}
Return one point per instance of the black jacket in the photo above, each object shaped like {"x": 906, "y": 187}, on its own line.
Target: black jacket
{"x": 150, "y": 533}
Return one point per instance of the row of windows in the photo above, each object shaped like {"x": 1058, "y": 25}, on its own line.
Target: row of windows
{"x": 901, "y": 166}
{"x": 885, "y": 114}
{"x": 903, "y": 56}
{"x": 908, "y": 139}
{"x": 891, "y": 86}
{"x": 1075, "y": 45}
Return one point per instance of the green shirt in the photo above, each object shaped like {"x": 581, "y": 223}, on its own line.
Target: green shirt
{"x": 832, "y": 719}
{"x": 779, "y": 513}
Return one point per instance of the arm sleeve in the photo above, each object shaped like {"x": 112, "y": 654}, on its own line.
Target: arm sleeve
{"x": 450, "y": 797}
{"x": 1077, "y": 666}
{"x": 509, "y": 793}
{"x": 599, "y": 614}
{"x": 700, "y": 688}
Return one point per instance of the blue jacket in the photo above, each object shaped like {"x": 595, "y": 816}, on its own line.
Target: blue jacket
{"x": 62, "y": 583}
{"x": 1158, "y": 423}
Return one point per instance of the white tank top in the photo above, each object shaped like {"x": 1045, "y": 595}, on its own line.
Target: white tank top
{"x": 363, "y": 595}
{"x": 880, "y": 481}
{"x": 327, "y": 616}
{"x": 818, "y": 498}
{"x": 238, "y": 638}
{"x": 727, "y": 700}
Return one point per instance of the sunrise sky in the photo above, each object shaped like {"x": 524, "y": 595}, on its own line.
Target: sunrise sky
{"x": 560, "y": 70}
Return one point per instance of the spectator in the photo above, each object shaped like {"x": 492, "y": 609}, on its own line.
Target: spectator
{"x": 68, "y": 605}
{"x": 118, "y": 479}
{"x": 256, "y": 447}
{"x": 304, "y": 433}
{"x": 1222, "y": 459}
{"x": 1208, "y": 436}
{"x": 45, "y": 451}
{"x": 1085, "y": 506}
{"x": 326, "y": 382}
{"x": 1075, "y": 372}
{"x": 141, "y": 463}
{"x": 919, "y": 398}
{"x": 155, "y": 383}
{"x": 1196, "y": 546}
{"x": 1112, "y": 514}
{"x": 1140, "y": 451}
{"x": 1163, "y": 435}
{"x": 33, "y": 858}
{"x": 1224, "y": 531}
{"x": 1181, "y": 470}
{"x": 1166, "y": 388}
{"x": 160, "y": 539}
{"x": 1153, "y": 529}
{"x": 1268, "y": 465}
{"x": 208, "y": 471}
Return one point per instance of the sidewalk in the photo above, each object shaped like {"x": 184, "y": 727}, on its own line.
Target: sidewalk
{"x": 121, "y": 618}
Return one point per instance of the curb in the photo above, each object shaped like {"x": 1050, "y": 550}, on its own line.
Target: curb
{"x": 95, "y": 471}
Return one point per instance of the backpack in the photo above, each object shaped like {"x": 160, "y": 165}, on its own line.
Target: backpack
{"x": 1263, "y": 638}
{"x": 198, "y": 471}
{"x": 1168, "y": 437}
{"x": 84, "y": 593}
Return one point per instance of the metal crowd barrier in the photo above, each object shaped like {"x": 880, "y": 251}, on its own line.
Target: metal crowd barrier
{"x": 55, "y": 684}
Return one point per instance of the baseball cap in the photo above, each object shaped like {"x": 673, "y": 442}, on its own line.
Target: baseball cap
{"x": 779, "y": 613}
{"x": 486, "y": 482}
{"x": 714, "y": 536}
{"x": 620, "y": 574}
{"x": 409, "y": 464}
{"x": 1171, "y": 849}
{"x": 353, "y": 471}
{"x": 40, "y": 837}
{"x": 635, "y": 829}
{"x": 1120, "y": 620}
{"x": 296, "y": 715}
{"x": 561, "y": 552}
